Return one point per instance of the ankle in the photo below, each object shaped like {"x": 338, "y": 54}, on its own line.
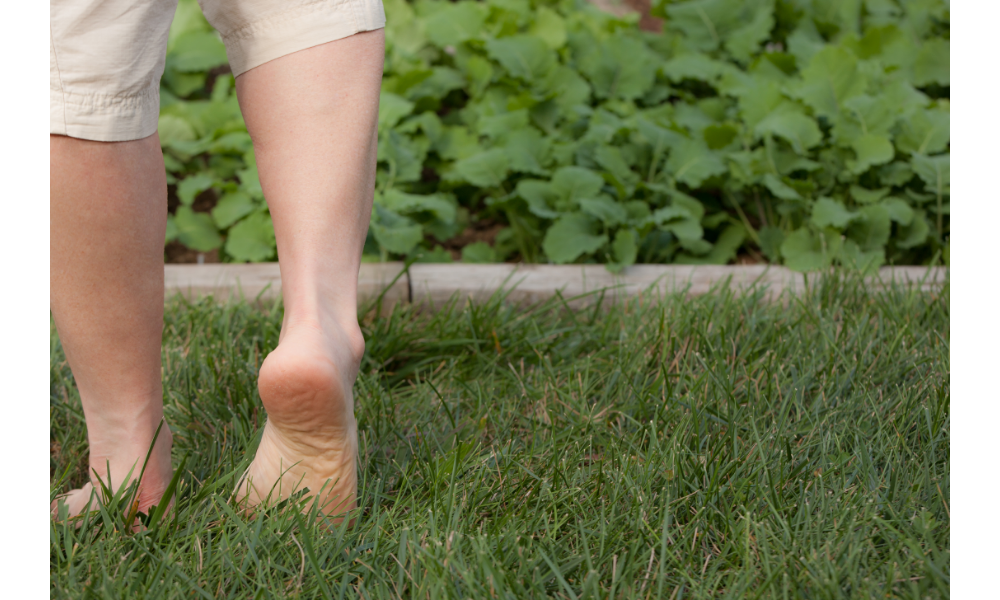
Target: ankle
{"x": 337, "y": 326}
{"x": 129, "y": 450}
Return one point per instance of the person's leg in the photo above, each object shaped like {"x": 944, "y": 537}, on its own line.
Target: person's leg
{"x": 108, "y": 220}
{"x": 313, "y": 119}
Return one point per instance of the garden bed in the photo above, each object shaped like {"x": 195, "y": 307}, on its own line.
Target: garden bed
{"x": 802, "y": 134}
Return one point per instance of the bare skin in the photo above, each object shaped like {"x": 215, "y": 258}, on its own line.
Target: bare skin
{"x": 312, "y": 116}
{"x": 108, "y": 219}
{"x": 313, "y": 119}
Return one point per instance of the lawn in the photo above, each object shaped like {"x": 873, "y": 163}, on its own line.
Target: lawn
{"x": 720, "y": 446}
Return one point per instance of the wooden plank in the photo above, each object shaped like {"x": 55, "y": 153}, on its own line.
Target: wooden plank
{"x": 225, "y": 281}
{"x": 926, "y": 278}
{"x": 434, "y": 284}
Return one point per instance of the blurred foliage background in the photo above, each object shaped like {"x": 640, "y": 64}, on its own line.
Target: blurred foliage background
{"x": 796, "y": 132}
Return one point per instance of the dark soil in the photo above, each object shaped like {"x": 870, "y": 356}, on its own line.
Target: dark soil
{"x": 485, "y": 230}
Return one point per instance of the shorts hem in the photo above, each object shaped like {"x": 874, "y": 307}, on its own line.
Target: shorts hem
{"x": 104, "y": 118}
{"x": 299, "y": 28}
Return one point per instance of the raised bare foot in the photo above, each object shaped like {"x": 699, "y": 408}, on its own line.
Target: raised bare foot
{"x": 310, "y": 439}
{"x": 124, "y": 453}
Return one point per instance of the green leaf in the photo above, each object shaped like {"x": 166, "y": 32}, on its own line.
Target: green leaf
{"x": 779, "y": 188}
{"x": 196, "y": 230}
{"x": 805, "y": 250}
{"x": 625, "y": 248}
{"x": 189, "y": 187}
{"x": 771, "y": 239}
{"x": 828, "y": 212}
{"x": 232, "y": 207}
{"x": 441, "y": 81}
{"x": 550, "y": 27}
{"x": 187, "y": 18}
{"x": 872, "y": 230}
{"x": 699, "y": 247}
{"x": 236, "y": 141}
{"x": 574, "y": 183}
{"x": 252, "y": 239}
{"x": 172, "y": 231}
{"x": 457, "y": 143}
{"x": 688, "y": 231}
{"x": 182, "y": 84}
{"x": 692, "y": 118}
{"x": 441, "y": 207}
{"x": 866, "y": 261}
{"x": 895, "y": 174}
{"x": 539, "y": 196}
{"x": 748, "y": 167}
{"x": 498, "y": 125}
{"x": 724, "y": 249}
{"x": 863, "y": 115}
{"x": 392, "y": 108}
{"x": 914, "y": 234}
{"x": 604, "y": 209}
{"x": 670, "y": 213}
{"x": 805, "y": 42}
{"x": 437, "y": 255}
{"x": 611, "y": 159}
{"x": 933, "y": 64}
{"x": 571, "y": 236}
{"x": 935, "y": 171}
{"x": 455, "y": 23}
{"x": 404, "y": 155}
{"x": 523, "y": 56}
{"x": 568, "y": 88}
{"x": 250, "y": 182}
{"x": 799, "y": 130}
{"x": 394, "y": 232}
{"x": 479, "y": 252}
{"x": 865, "y": 196}
{"x": 694, "y": 65}
{"x": 925, "y": 132}
{"x": 174, "y": 129}
{"x": 899, "y": 210}
{"x": 692, "y": 163}
{"x": 479, "y": 73}
{"x": 745, "y": 41}
{"x": 742, "y": 25}
{"x": 486, "y": 169}
{"x": 831, "y": 77}
{"x": 718, "y": 136}
{"x": 197, "y": 51}
{"x": 660, "y": 138}
{"x": 681, "y": 200}
{"x": 528, "y": 151}
{"x": 622, "y": 67}
{"x": 404, "y": 32}
{"x": 870, "y": 150}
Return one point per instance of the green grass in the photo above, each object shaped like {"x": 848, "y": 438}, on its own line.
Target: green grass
{"x": 722, "y": 446}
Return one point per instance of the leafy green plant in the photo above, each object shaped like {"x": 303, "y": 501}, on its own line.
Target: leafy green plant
{"x": 802, "y": 132}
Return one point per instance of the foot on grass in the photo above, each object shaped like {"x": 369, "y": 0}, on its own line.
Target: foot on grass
{"x": 310, "y": 439}
{"x": 122, "y": 457}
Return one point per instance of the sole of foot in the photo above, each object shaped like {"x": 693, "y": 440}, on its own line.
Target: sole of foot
{"x": 153, "y": 485}
{"x": 310, "y": 439}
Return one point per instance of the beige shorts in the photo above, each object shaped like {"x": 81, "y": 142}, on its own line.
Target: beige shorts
{"x": 107, "y": 56}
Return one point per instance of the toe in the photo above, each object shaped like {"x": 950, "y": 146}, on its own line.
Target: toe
{"x": 75, "y": 501}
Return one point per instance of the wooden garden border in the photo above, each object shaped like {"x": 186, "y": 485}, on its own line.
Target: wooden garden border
{"x": 431, "y": 285}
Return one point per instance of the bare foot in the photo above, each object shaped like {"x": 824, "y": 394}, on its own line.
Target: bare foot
{"x": 310, "y": 439}
{"x": 122, "y": 458}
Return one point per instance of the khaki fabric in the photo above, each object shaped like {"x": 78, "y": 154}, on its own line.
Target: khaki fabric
{"x": 107, "y": 56}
